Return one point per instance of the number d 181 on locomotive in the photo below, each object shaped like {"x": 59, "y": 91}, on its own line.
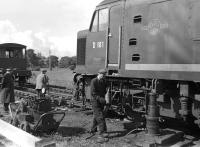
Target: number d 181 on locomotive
{"x": 146, "y": 45}
{"x": 13, "y": 56}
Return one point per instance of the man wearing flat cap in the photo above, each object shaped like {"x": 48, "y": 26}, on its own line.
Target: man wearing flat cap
{"x": 7, "y": 89}
{"x": 42, "y": 82}
{"x": 98, "y": 92}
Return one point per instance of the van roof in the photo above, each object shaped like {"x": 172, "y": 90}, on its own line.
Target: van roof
{"x": 12, "y": 45}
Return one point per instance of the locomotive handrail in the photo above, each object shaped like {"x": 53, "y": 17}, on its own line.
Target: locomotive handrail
{"x": 119, "y": 49}
{"x": 107, "y": 36}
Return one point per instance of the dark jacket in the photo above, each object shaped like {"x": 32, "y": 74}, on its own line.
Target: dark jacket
{"x": 7, "y": 89}
{"x": 98, "y": 91}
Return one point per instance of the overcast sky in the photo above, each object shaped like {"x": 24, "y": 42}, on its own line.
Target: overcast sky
{"x": 45, "y": 24}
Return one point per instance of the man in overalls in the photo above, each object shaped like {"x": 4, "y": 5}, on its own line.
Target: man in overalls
{"x": 98, "y": 92}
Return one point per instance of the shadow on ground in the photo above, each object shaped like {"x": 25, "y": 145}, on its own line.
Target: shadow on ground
{"x": 70, "y": 131}
{"x": 116, "y": 134}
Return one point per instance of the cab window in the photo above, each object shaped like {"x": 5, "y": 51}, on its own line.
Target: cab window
{"x": 17, "y": 53}
{"x": 9, "y": 54}
{"x": 2, "y": 53}
{"x": 95, "y": 22}
{"x": 24, "y": 53}
{"x": 103, "y": 19}
{"x": 100, "y": 21}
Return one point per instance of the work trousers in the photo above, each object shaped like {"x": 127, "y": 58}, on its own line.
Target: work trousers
{"x": 6, "y": 106}
{"x": 98, "y": 119}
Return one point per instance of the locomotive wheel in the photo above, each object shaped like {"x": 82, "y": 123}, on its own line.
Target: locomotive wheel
{"x": 25, "y": 126}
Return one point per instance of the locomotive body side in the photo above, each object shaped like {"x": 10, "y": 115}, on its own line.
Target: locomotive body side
{"x": 145, "y": 39}
{"x": 163, "y": 41}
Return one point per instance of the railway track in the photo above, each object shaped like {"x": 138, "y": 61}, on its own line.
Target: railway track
{"x": 60, "y": 96}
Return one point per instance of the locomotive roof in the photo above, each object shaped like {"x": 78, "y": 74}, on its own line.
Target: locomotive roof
{"x": 104, "y": 2}
{"x": 107, "y": 2}
{"x": 82, "y": 33}
{"x": 16, "y": 45}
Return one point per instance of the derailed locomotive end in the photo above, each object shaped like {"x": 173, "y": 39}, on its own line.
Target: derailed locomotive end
{"x": 146, "y": 45}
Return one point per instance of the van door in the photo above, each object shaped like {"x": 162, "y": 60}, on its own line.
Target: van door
{"x": 114, "y": 35}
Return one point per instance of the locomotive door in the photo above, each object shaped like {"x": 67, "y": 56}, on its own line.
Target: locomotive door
{"x": 114, "y": 36}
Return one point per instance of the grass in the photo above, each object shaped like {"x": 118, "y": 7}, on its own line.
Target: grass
{"x": 58, "y": 76}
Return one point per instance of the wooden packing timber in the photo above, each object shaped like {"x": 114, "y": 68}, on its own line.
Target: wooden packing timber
{"x": 18, "y": 136}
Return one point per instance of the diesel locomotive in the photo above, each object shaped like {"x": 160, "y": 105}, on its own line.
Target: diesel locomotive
{"x": 13, "y": 56}
{"x": 146, "y": 46}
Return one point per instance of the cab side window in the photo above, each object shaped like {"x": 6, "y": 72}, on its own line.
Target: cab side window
{"x": 95, "y": 22}
{"x": 9, "y": 54}
{"x": 103, "y": 19}
{"x": 24, "y": 53}
{"x": 2, "y": 53}
{"x": 18, "y": 53}
{"x": 100, "y": 20}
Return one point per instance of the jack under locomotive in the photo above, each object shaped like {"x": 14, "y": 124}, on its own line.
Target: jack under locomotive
{"x": 13, "y": 56}
{"x": 146, "y": 46}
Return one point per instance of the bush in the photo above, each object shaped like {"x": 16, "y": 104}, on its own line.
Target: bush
{"x": 36, "y": 68}
{"x": 72, "y": 67}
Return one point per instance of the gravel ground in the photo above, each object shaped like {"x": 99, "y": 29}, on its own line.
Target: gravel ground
{"x": 74, "y": 128}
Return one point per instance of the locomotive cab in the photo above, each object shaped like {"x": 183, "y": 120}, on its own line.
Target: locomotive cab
{"x": 103, "y": 39}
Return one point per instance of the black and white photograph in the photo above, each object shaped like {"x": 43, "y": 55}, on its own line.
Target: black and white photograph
{"x": 99, "y": 73}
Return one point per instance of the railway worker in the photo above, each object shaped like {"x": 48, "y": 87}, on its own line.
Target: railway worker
{"x": 42, "y": 82}
{"x": 98, "y": 92}
{"x": 79, "y": 89}
{"x": 77, "y": 86}
{"x": 7, "y": 89}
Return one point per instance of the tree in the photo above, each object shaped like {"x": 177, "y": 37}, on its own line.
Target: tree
{"x": 66, "y": 61}
{"x": 33, "y": 59}
{"x": 42, "y": 60}
{"x": 73, "y": 60}
{"x": 54, "y": 61}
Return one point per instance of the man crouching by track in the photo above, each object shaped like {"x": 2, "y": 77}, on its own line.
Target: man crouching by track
{"x": 98, "y": 92}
